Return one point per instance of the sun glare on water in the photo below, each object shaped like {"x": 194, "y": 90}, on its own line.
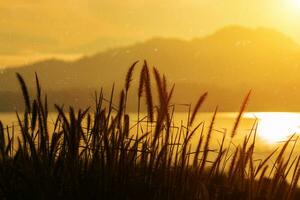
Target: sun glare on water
{"x": 275, "y": 127}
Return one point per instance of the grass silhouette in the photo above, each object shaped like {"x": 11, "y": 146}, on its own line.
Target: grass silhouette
{"x": 97, "y": 154}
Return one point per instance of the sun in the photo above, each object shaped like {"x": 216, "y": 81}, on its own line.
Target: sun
{"x": 291, "y": 6}
{"x": 295, "y": 4}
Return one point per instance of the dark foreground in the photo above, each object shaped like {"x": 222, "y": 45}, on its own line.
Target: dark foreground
{"x": 97, "y": 153}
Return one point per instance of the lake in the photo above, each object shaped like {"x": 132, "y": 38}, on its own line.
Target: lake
{"x": 273, "y": 127}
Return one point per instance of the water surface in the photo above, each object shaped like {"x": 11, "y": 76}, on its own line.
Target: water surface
{"x": 272, "y": 127}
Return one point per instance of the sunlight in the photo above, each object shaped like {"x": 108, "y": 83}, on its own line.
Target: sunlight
{"x": 296, "y": 3}
{"x": 274, "y": 127}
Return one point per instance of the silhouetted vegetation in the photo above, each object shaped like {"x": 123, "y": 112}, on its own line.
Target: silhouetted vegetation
{"x": 100, "y": 153}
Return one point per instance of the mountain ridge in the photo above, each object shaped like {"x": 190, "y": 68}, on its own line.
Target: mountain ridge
{"x": 230, "y": 62}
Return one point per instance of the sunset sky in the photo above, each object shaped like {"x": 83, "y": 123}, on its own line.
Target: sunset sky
{"x": 33, "y": 29}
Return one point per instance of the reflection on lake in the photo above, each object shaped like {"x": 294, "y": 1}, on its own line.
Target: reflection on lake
{"x": 274, "y": 127}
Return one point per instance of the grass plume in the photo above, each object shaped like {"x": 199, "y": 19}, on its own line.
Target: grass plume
{"x": 94, "y": 153}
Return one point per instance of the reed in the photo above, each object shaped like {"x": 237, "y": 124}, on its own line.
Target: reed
{"x": 96, "y": 153}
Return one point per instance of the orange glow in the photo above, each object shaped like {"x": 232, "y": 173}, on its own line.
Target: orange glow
{"x": 73, "y": 27}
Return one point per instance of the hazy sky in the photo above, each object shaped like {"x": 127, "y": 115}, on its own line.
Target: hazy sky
{"x": 31, "y": 29}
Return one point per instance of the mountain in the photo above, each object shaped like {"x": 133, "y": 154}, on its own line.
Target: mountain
{"x": 226, "y": 63}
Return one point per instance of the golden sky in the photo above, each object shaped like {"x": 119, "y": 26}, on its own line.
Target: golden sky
{"x": 38, "y": 28}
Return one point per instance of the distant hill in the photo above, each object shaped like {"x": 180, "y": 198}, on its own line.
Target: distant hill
{"x": 226, "y": 63}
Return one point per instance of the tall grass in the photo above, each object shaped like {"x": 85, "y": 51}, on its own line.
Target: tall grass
{"x": 95, "y": 153}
